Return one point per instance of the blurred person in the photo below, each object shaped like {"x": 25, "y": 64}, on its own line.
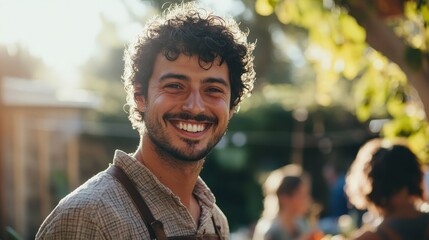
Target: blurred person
{"x": 184, "y": 77}
{"x": 287, "y": 201}
{"x": 387, "y": 179}
{"x": 337, "y": 204}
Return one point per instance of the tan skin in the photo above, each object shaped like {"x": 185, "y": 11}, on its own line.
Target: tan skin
{"x": 182, "y": 86}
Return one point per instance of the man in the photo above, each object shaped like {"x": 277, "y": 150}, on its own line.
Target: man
{"x": 184, "y": 76}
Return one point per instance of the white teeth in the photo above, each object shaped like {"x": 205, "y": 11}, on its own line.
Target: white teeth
{"x": 190, "y": 127}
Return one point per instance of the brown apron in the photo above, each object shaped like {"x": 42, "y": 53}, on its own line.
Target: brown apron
{"x": 155, "y": 227}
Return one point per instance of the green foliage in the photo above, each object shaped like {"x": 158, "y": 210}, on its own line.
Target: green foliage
{"x": 12, "y": 234}
{"x": 60, "y": 185}
{"x": 338, "y": 50}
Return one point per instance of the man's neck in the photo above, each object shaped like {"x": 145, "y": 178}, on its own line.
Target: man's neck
{"x": 180, "y": 177}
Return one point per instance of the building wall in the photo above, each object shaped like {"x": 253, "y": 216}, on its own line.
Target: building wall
{"x": 40, "y": 163}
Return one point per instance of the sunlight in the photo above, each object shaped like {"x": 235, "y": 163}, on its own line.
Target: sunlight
{"x": 65, "y": 34}
{"x": 228, "y": 7}
{"x": 62, "y": 33}
{"x": 58, "y": 32}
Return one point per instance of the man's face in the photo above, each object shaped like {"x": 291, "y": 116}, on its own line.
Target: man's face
{"x": 187, "y": 107}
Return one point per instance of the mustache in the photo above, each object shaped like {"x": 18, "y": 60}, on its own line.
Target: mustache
{"x": 187, "y": 116}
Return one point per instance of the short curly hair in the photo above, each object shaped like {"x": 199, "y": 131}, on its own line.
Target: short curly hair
{"x": 382, "y": 169}
{"x": 189, "y": 29}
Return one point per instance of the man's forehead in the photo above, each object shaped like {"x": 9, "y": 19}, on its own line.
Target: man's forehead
{"x": 203, "y": 61}
{"x": 181, "y": 61}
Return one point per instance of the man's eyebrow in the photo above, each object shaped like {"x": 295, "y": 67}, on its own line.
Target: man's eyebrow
{"x": 173, "y": 75}
{"x": 186, "y": 78}
{"x": 216, "y": 80}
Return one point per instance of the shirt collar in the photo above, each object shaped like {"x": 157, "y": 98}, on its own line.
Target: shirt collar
{"x": 149, "y": 183}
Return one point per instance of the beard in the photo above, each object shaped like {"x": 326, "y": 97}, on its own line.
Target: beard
{"x": 166, "y": 147}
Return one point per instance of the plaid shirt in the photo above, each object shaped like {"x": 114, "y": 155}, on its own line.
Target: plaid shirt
{"x": 102, "y": 209}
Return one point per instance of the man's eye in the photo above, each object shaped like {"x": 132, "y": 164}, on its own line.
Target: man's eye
{"x": 174, "y": 86}
{"x": 215, "y": 90}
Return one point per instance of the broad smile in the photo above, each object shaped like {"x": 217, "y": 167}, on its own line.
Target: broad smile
{"x": 191, "y": 127}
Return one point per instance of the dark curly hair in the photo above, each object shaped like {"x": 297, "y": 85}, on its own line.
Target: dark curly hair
{"x": 380, "y": 171}
{"x": 188, "y": 29}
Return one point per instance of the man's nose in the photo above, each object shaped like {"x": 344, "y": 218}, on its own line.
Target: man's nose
{"x": 194, "y": 103}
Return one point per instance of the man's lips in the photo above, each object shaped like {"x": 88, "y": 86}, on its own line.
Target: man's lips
{"x": 192, "y": 127}
{"x": 190, "y": 124}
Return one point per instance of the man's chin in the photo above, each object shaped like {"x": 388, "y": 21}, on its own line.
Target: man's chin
{"x": 191, "y": 158}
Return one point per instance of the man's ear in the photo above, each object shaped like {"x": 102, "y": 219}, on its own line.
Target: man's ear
{"x": 231, "y": 112}
{"x": 140, "y": 101}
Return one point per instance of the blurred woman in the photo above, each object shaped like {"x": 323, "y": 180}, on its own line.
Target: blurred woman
{"x": 387, "y": 179}
{"x": 287, "y": 201}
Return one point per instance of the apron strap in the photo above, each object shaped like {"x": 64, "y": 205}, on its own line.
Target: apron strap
{"x": 155, "y": 227}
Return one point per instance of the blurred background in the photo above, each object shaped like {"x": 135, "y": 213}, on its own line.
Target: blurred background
{"x": 321, "y": 92}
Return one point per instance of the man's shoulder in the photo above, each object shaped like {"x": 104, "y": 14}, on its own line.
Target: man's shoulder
{"x": 89, "y": 210}
{"x": 92, "y": 192}
{"x": 93, "y": 196}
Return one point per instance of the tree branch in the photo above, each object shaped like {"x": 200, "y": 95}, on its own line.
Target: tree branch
{"x": 380, "y": 37}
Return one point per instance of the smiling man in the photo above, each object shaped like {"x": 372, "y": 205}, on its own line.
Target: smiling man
{"x": 184, "y": 76}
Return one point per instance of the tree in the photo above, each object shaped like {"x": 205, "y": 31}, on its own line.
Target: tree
{"x": 382, "y": 46}
{"x": 16, "y": 61}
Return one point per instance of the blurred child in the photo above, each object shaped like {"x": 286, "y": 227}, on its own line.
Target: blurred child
{"x": 287, "y": 201}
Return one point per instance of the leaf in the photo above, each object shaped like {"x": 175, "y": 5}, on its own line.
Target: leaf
{"x": 418, "y": 141}
{"x": 395, "y": 107}
{"x": 273, "y": 3}
{"x": 363, "y": 112}
{"x": 287, "y": 12}
{"x": 264, "y": 7}
{"x": 424, "y": 11}
{"x": 312, "y": 12}
{"x": 353, "y": 57}
{"x": 351, "y": 29}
